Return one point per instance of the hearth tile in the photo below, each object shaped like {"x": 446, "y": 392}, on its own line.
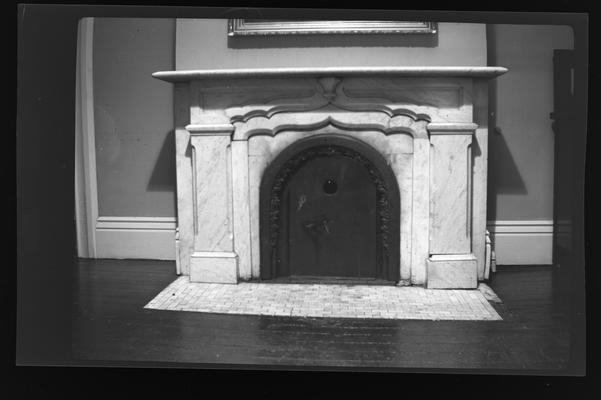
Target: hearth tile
{"x": 335, "y": 301}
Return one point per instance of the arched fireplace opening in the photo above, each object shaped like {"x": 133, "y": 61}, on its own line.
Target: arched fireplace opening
{"x": 330, "y": 209}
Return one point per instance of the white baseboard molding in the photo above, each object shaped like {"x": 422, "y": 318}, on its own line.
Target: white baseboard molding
{"x": 136, "y": 237}
{"x": 522, "y": 242}
{"x": 514, "y": 242}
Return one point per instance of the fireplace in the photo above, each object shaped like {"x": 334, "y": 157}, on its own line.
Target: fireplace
{"x": 371, "y": 174}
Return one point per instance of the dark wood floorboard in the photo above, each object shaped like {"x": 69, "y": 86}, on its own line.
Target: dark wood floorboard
{"x": 110, "y": 324}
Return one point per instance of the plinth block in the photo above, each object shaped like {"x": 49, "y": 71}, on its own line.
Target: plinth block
{"x": 214, "y": 267}
{"x": 452, "y": 271}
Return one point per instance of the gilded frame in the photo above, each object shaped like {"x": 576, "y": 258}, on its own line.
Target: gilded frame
{"x": 249, "y": 27}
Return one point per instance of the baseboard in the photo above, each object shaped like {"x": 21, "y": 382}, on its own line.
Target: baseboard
{"x": 136, "y": 237}
{"x": 522, "y": 242}
{"x": 514, "y": 242}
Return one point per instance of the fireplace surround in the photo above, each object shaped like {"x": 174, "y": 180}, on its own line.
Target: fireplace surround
{"x": 422, "y": 130}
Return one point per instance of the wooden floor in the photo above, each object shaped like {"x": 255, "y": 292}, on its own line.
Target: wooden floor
{"x": 110, "y": 327}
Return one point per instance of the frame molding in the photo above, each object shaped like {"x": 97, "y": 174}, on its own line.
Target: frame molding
{"x": 86, "y": 192}
{"x": 249, "y": 27}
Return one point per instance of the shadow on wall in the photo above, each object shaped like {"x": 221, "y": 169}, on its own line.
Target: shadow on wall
{"x": 162, "y": 178}
{"x": 342, "y": 40}
{"x": 504, "y": 176}
{"x": 504, "y": 172}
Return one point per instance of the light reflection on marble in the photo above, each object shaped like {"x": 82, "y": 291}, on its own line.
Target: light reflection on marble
{"x": 455, "y": 271}
{"x": 480, "y": 173}
{"x": 184, "y": 187}
{"x": 420, "y": 229}
{"x": 213, "y": 203}
{"x": 241, "y": 207}
{"x": 402, "y": 165}
{"x": 185, "y": 208}
{"x": 449, "y": 232}
{"x": 257, "y": 165}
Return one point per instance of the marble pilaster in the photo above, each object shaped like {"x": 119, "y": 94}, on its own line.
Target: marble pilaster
{"x": 241, "y": 207}
{"x": 402, "y": 166}
{"x": 451, "y": 264}
{"x": 212, "y": 202}
{"x": 450, "y": 187}
{"x": 257, "y": 165}
{"x": 480, "y": 174}
{"x": 184, "y": 184}
{"x": 420, "y": 228}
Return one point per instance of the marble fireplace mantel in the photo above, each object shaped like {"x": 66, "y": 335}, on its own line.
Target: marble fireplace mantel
{"x": 429, "y": 123}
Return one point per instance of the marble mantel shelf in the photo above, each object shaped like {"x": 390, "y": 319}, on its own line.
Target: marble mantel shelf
{"x": 201, "y": 74}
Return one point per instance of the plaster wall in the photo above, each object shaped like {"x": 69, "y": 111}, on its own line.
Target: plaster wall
{"x": 521, "y": 149}
{"x": 133, "y": 117}
{"x": 203, "y": 43}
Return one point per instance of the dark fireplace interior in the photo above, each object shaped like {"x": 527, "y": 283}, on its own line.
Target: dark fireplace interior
{"x": 330, "y": 211}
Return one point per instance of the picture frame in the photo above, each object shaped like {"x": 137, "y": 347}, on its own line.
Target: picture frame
{"x": 261, "y": 27}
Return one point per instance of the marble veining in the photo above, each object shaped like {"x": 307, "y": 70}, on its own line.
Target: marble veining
{"x": 257, "y": 164}
{"x": 479, "y": 177}
{"x": 429, "y": 123}
{"x": 420, "y": 226}
{"x": 402, "y": 165}
{"x": 241, "y": 207}
{"x": 185, "y": 206}
{"x": 184, "y": 186}
{"x": 213, "y": 202}
{"x": 450, "y": 201}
